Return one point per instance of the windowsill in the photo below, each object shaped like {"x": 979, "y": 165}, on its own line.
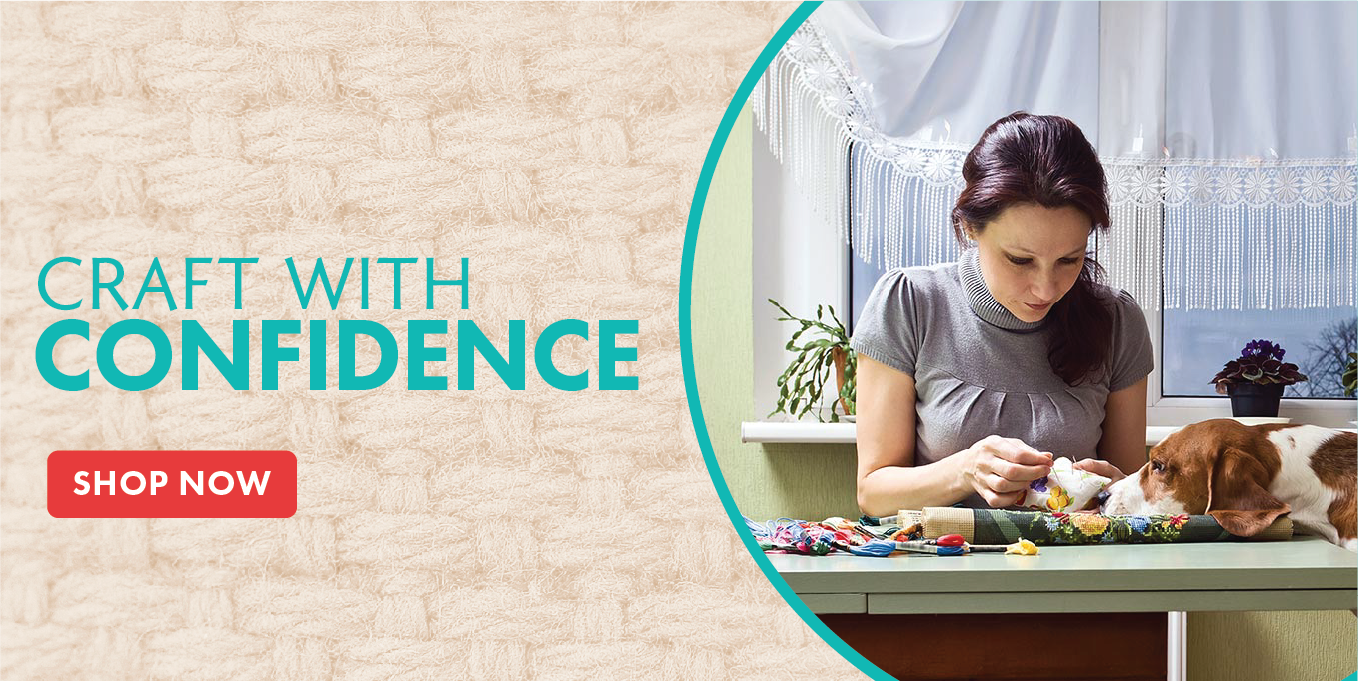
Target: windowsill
{"x": 806, "y": 432}
{"x": 810, "y": 432}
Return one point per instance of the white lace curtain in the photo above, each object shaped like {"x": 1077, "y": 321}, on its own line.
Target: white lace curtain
{"x": 1227, "y": 130}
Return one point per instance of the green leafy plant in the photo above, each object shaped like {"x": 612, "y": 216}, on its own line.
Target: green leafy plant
{"x": 1350, "y": 376}
{"x": 1260, "y": 362}
{"x": 803, "y": 382}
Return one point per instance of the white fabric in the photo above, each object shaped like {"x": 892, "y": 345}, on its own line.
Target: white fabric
{"x": 1065, "y": 489}
{"x": 1227, "y": 131}
{"x": 1269, "y": 80}
{"x": 950, "y": 74}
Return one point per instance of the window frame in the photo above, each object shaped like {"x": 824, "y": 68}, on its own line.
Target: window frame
{"x": 1178, "y": 411}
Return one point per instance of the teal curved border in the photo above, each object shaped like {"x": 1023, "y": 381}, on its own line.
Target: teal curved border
{"x": 686, "y": 345}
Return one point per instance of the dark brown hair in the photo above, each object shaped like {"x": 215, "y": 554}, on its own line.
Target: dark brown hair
{"x": 1046, "y": 160}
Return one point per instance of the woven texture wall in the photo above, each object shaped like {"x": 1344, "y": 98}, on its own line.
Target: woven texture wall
{"x": 489, "y": 534}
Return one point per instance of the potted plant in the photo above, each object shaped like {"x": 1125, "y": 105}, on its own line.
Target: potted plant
{"x": 1349, "y": 378}
{"x": 803, "y": 382}
{"x": 1255, "y": 380}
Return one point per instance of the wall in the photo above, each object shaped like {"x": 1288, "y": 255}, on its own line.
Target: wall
{"x": 817, "y": 481}
{"x": 766, "y": 480}
{"x": 1228, "y": 646}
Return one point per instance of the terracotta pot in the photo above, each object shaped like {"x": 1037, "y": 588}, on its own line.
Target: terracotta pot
{"x": 840, "y": 358}
{"x": 1252, "y": 399}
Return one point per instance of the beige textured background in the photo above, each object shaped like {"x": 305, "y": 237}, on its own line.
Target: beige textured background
{"x": 439, "y": 535}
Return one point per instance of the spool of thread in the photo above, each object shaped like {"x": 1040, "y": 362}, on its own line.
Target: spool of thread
{"x": 876, "y": 547}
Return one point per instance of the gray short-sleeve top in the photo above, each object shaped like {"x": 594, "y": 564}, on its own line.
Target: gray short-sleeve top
{"x": 980, "y": 371}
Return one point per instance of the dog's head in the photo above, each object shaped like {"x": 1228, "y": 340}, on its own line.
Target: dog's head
{"x": 1219, "y": 467}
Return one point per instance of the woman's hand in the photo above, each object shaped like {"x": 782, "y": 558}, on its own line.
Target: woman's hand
{"x": 1100, "y": 467}
{"x": 1000, "y": 468}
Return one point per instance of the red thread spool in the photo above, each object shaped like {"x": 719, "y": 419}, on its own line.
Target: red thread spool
{"x": 951, "y": 540}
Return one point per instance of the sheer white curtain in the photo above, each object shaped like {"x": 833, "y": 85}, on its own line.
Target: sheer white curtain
{"x": 1227, "y": 131}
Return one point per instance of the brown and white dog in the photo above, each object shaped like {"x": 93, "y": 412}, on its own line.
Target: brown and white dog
{"x": 1247, "y": 476}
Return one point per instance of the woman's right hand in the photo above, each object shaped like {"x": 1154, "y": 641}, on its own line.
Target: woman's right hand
{"x": 1000, "y": 468}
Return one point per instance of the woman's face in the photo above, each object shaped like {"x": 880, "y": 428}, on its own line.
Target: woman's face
{"x": 1031, "y": 255}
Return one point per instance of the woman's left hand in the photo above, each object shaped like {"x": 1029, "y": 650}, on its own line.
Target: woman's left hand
{"x": 1099, "y": 467}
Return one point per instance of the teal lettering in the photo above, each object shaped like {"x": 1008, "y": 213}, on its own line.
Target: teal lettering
{"x": 546, "y": 343}
{"x": 47, "y": 345}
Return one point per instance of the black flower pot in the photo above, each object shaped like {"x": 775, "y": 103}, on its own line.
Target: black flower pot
{"x": 1252, "y": 399}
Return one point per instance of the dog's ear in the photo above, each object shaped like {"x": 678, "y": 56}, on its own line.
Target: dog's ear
{"x": 1236, "y": 495}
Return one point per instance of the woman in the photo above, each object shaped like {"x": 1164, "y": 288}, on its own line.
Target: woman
{"x": 972, "y": 375}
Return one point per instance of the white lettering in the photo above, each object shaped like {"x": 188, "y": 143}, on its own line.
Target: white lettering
{"x": 185, "y": 482}
{"x": 158, "y": 479}
{"x": 140, "y": 478}
{"x": 100, "y": 482}
{"x": 212, "y": 482}
{"x": 84, "y": 485}
{"x": 245, "y": 485}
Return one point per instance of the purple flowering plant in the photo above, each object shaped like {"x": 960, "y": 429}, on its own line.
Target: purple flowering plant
{"x": 1261, "y": 362}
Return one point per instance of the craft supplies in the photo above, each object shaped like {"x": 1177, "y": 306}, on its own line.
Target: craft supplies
{"x": 1005, "y": 526}
{"x": 953, "y": 531}
{"x": 956, "y": 547}
{"x": 930, "y": 547}
{"x": 1066, "y": 488}
{"x": 837, "y": 535}
{"x": 787, "y": 535}
{"x": 951, "y": 540}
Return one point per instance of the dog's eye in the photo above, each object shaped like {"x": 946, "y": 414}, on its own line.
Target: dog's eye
{"x": 1158, "y": 466}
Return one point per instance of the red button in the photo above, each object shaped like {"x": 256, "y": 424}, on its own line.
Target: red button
{"x": 172, "y": 484}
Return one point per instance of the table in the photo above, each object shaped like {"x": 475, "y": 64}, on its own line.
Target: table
{"x": 1306, "y": 573}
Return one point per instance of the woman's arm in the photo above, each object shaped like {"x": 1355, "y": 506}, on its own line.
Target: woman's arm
{"x": 888, "y": 480}
{"x": 1124, "y": 428}
{"x": 997, "y": 468}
